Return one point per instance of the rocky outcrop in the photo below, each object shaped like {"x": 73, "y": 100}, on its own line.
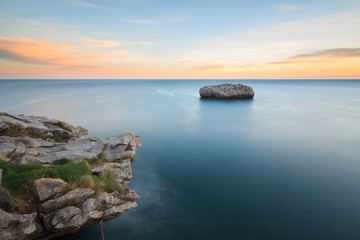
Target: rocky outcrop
{"x": 31, "y": 139}
{"x": 45, "y": 188}
{"x": 66, "y": 214}
{"x": 34, "y": 126}
{"x": 226, "y": 91}
{"x": 43, "y": 149}
{"x": 19, "y": 226}
{"x": 70, "y": 199}
{"x": 121, "y": 173}
{"x": 72, "y": 218}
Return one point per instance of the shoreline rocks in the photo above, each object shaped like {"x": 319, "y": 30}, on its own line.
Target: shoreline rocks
{"x": 40, "y": 140}
{"x": 227, "y": 91}
{"x": 45, "y": 141}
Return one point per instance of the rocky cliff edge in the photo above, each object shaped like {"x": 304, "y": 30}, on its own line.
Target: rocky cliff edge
{"x": 62, "y": 207}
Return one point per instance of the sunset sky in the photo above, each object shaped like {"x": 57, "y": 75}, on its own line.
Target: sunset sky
{"x": 123, "y": 39}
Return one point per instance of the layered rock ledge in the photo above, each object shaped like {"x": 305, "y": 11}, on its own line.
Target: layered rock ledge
{"x": 227, "y": 91}
{"x": 60, "y": 209}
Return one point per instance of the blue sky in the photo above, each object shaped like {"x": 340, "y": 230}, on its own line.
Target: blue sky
{"x": 177, "y": 39}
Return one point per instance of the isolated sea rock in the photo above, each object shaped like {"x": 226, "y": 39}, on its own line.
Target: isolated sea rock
{"x": 226, "y": 91}
{"x": 45, "y": 188}
{"x": 31, "y": 139}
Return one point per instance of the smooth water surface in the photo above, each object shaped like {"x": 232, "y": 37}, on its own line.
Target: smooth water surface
{"x": 285, "y": 165}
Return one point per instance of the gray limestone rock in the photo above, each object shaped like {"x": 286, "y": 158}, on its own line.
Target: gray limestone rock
{"x": 121, "y": 172}
{"x": 104, "y": 207}
{"x": 44, "y": 149}
{"x": 45, "y": 188}
{"x": 72, "y": 198}
{"x": 227, "y": 91}
{"x": 7, "y": 203}
{"x": 18, "y": 226}
{"x": 121, "y": 145}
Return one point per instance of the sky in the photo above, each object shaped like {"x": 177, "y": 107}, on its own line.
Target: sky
{"x": 187, "y": 39}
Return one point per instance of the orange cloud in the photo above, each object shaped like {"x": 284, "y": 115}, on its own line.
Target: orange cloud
{"x": 30, "y": 51}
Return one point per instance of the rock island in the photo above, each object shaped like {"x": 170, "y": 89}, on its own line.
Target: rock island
{"x": 227, "y": 91}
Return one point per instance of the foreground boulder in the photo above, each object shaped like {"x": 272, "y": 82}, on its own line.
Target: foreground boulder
{"x": 59, "y": 209}
{"x": 226, "y": 91}
{"x": 7, "y": 203}
{"x": 46, "y": 188}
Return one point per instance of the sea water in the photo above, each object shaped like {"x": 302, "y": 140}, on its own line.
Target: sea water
{"x": 284, "y": 165}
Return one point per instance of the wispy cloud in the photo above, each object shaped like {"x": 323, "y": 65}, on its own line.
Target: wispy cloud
{"x": 327, "y": 55}
{"x": 141, "y": 20}
{"x": 205, "y": 65}
{"x": 200, "y": 62}
{"x": 110, "y": 44}
{"x": 146, "y": 43}
{"x": 104, "y": 33}
{"x": 104, "y": 43}
{"x": 287, "y": 8}
{"x": 30, "y": 51}
{"x": 15, "y": 57}
{"x": 83, "y": 4}
{"x": 89, "y": 5}
{"x": 117, "y": 52}
{"x": 335, "y": 52}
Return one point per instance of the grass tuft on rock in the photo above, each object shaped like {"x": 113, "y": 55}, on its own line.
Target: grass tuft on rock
{"x": 130, "y": 157}
{"x": 110, "y": 185}
{"x": 93, "y": 161}
{"x": 62, "y": 125}
{"x": 15, "y": 131}
{"x": 58, "y": 139}
{"x": 61, "y": 161}
{"x": 101, "y": 155}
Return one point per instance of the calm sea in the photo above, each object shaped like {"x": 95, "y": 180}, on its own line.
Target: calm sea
{"x": 285, "y": 165}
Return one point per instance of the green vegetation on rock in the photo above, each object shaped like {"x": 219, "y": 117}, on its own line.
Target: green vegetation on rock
{"x": 20, "y": 132}
{"x": 61, "y": 161}
{"x": 18, "y": 179}
{"x": 58, "y": 139}
{"x": 62, "y": 125}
